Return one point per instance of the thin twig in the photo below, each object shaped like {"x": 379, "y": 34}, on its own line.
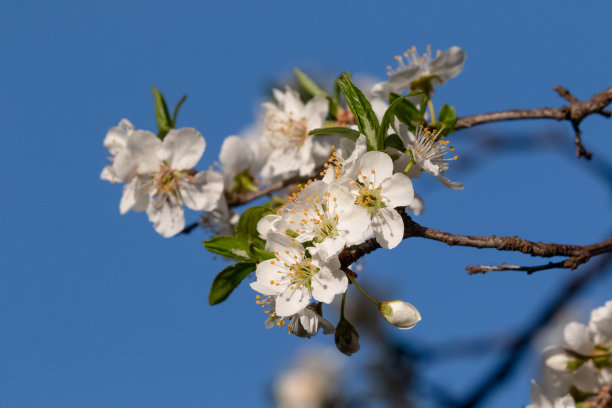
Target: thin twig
{"x": 521, "y": 343}
{"x": 575, "y": 112}
{"x": 576, "y": 254}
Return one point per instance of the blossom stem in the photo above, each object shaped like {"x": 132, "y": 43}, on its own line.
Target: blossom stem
{"x": 412, "y": 163}
{"x": 366, "y": 294}
{"x": 342, "y": 305}
{"x": 431, "y": 111}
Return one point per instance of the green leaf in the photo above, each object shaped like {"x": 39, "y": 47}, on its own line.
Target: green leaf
{"x": 230, "y": 247}
{"x": 247, "y": 224}
{"x": 405, "y": 111}
{"x": 362, "y": 110}
{"x": 228, "y": 280}
{"x": 164, "y": 122}
{"x": 381, "y": 136}
{"x": 342, "y": 131}
{"x": 395, "y": 141}
{"x": 315, "y": 90}
{"x": 176, "y": 110}
{"x": 447, "y": 117}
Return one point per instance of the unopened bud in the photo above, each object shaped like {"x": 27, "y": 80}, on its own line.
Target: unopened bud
{"x": 347, "y": 338}
{"x": 400, "y": 314}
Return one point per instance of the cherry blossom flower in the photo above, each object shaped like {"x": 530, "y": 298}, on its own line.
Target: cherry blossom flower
{"x": 428, "y": 151}
{"x": 292, "y": 278}
{"x": 412, "y": 67}
{"x": 159, "y": 176}
{"x": 379, "y": 191}
{"x": 327, "y": 216}
{"x": 286, "y": 127}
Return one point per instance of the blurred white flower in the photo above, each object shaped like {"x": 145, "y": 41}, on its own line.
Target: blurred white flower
{"x": 412, "y": 67}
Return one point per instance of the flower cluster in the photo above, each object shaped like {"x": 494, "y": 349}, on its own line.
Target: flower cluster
{"x": 578, "y": 369}
{"x": 294, "y": 247}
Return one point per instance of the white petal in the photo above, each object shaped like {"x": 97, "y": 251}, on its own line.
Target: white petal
{"x": 182, "y": 148}
{"x": 236, "y": 155}
{"x": 315, "y": 112}
{"x": 417, "y": 206}
{"x": 329, "y": 281}
{"x": 203, "y": 191}
{"x": 268, "y": 275}
{"x": 135, "y": 196}
{"x": 454, "y": 185}
{"x": 388, "y": 228}
{"x": 116, "y": 138}
{"x": 397, "y": 191}
{"x": 166, "y": 214}
{"x": 293, "y": 104}
{"x": 284, "y": 245}
{"x": 401, "y": 79}
{"x": 108, "y": 174}
{"x": 143, "y": 147}
{"x": 449, "y": 64}
{"x": 537, "y": 397}
{"x": 380, "y": 162}
{"x": 576, "y": 336}
{"x": 267, "y": 223}
{"x": 289, "y": 302}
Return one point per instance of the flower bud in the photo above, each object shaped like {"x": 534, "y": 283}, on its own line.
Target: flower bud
{"x": 400, "y": 314}
{"x": 347, "y": 338}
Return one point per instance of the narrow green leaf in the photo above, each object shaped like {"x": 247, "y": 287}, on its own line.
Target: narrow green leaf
{"x": 448, "y": 117}
{"x": 164, "y": 122}
{"x": 247, "y": 224}
{"x": 395, "y": 141}
{"x": 342, "y": 131}
{"x": 176, "y": 110}
{"x": 228, "y": 280}
{"x": 405, "y": 111}
{"x": 230, "y": 247}
{"x": 315, "y": 90}
{"x": 362, "y": 110}
{"x": 386, "y": 120}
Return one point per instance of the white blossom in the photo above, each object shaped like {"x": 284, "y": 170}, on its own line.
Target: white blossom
{"x": 426, "y": 151}
{"x": 379, "y": 191}
{"x": 292, "y": 278}
{"x": 160, "y": 178}
{"x": 412, "y": 67}
{"x": 286, "y": 126}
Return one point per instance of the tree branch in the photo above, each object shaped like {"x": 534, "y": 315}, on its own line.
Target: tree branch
{"x": 575, "y": 112}
{"x": 576, "y": 254}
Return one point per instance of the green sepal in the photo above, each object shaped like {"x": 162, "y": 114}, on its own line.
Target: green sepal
{"x": 261, "y": 255}
{"x": 349, "y": 133}
{"x": 164, "y": 121}
{"x": 424, "y": 84}
{"x": 230, "y": 247}
{"x": 243, "y": 181}
{"x": 395, "y": 142}
{"x": 177, "y": 108}
{"x": 447, "y": 118}
{"x": 575, "y": 364}
{"x": 362, "y": 110}
{"x": 228, "y": 280}
{"x": 315, "y": 90}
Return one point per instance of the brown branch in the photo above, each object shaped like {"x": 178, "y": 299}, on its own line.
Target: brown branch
{"x": 576, "y": 254}
{"x": 575, "y": 112}
{"x": 474, "y": 269}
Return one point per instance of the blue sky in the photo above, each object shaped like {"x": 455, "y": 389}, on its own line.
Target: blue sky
{"x": 96, "y": 310}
